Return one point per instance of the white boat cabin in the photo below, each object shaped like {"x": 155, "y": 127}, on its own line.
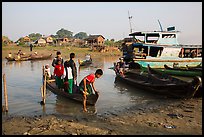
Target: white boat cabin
{"x": 156, "y": 37}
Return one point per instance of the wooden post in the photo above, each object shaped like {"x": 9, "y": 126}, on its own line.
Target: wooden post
{"x": 44, "y": 88}
{"x": 5, "y": 93}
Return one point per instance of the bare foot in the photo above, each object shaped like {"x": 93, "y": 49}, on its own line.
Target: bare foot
{"x": 85, "y": 110}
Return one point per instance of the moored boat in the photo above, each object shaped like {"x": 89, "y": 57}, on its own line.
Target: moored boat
{"x": 39, "y": 57}
{"x": 91, "y": 99}
{"x": 161, "y": 84}
{"x": 178, "y": 71}
{"x": 84, "y": 62}
{"x": 29, "y": 57}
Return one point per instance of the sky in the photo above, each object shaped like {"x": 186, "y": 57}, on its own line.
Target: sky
{"x": 109, "y": 19}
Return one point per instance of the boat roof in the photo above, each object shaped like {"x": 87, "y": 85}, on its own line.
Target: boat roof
{"x": 142, "y": 33}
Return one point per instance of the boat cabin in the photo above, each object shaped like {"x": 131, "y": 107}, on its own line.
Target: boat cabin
{"x": 145, "y": 50}
{"x": 156, "y": 37}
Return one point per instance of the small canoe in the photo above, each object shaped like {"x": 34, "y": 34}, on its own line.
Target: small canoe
{"x": 84, "y": 62}
{"x": 91, "y": 99}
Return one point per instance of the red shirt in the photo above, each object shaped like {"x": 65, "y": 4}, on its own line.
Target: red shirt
{"x": 59, "y": 69}
{"x": 90, "y": 78}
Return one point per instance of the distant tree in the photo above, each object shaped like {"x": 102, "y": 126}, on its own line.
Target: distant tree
{"x": 112, "y": 40}
{"x": 81, "y": 35}
{"x": 6, "y": 40}
{"x": 109, "y": 42}
{"x": 64, "y": 33}
{"x": 34, "y": 36}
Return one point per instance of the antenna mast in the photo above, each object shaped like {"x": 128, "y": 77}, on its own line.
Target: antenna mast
{"x": 160, "y": 25}
{"x": 130, "y": 17}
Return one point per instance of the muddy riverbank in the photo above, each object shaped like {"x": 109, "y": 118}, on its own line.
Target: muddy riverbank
{"x": 178, "y": 117}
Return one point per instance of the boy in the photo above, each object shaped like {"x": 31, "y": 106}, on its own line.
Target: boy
{"x": 86, "y": 83}
{"x": 47, "y": 70}
{"x": 59, "y": 56}
{"x": 73, "y": 67}
{"x": 58, "y": 72}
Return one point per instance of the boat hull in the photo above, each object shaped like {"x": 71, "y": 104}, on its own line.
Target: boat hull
{"x": 91, "y": 99}
{"x": 169, "y": 86}
{"x": 159, "y": 63}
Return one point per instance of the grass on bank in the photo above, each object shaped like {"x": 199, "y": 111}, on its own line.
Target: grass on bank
{"x": 65, "y": 50}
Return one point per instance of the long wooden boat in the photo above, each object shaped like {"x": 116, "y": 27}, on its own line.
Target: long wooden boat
{"x": 39, "y": 57}
{"x": 194, "y": 68}
{"x": 182, "y": 71}
{"x": 167, "y": 85}
{"x": 10, "y": 59}
{"x": 84, "y": 62}
{"x": 187, "y": 71}
{"x": 91, "y": 99}
{"x": 181, "y": 87}
{"x": 23, "y": 58}
{"x": 30, "y": 57}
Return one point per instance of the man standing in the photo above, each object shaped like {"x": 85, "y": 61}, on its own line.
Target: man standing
{"x": 73, "y": 67}
{"x": 31, "y": 46}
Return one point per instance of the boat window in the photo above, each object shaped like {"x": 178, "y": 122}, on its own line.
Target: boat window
{"x": 168, "y": 36}
{"x": 155, "y": 51}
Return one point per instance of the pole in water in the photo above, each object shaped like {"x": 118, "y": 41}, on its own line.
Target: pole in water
{"x": 43, "y": 88}
{"x": 5, "y": 93}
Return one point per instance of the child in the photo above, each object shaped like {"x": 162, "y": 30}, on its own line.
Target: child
{"x": 59, "y": 56}
{"x": 86, "y": 83}
{"x": 58, "y": 72}
{"x": 122, "y": 67}
{"x": 47, "y": 71}
{"x": 10, "y": 55}
{"x": 68, "y": 78}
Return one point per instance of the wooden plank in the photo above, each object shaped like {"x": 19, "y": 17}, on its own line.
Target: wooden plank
{"x": 5, "y": 93}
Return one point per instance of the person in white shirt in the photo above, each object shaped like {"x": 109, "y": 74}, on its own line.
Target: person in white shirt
{"x": 47, "y": 70}
{"x": 68, "y": 79}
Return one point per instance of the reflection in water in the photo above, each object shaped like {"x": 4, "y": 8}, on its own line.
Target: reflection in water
{"x": 67, "y": 106}
{"x": 31, "y": 65}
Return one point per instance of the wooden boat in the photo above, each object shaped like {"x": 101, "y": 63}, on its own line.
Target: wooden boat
{"x": 84, "y": 62}
{"x": 190, "y": 68}
{"x": 181, "y": 71}
{"x": 161, "y": 84}
{"x": 184, "y": 71}
{"x": 23, "y": 58}
{"x": 91, "y": 99}
{"x": 39, "y": 57}
{"x": 175, "y": 85}
{"x": 30, "y": 57}
{"x": 10, "y": 59}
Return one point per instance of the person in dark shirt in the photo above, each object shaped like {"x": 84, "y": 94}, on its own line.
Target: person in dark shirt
{"x": 59, "y": 56}
{"x": 73, "y": 67}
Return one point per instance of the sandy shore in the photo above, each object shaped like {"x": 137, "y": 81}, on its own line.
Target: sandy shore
{"x": 182, "y": 117}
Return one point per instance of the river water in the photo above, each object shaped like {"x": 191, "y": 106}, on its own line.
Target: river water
{"x": 24, "y": 80}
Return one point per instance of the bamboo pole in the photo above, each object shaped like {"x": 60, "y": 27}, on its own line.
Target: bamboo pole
{"x": 5, "y": 93}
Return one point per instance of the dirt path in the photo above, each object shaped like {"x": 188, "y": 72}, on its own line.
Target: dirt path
{"x": 181, "y": 118}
